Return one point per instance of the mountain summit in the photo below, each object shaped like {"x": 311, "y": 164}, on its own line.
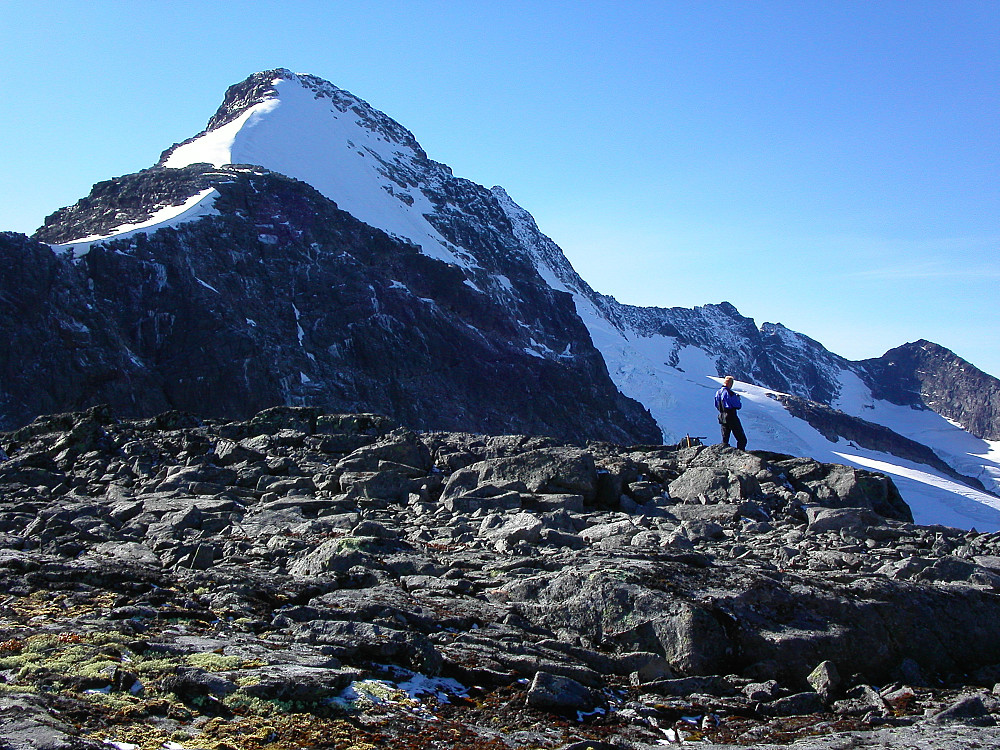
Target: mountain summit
{"x": 303, "y": 249}
{"x": 306, "y": 128}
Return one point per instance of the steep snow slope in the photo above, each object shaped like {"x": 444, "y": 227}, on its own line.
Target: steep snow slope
{"x": 680, "y": 396}
{"x": 316, "y": 133}
{"x": 968, "y": 454}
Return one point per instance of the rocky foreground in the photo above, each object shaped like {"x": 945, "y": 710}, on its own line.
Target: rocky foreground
{"x": 309, "y": 580}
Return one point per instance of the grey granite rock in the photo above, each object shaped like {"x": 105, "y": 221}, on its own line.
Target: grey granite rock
{"x": 512, "y": 565}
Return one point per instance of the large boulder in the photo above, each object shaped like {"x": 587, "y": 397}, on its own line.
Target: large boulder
{"x": 520, "y": 527}
{"x": 706, "y": 484}
{"x": 560, "y": 694}
{"x": 836, "y": 486}
{"x": 612, "y": 607}
{"x": 298, "y": 418}
{"x": 400, "y": 447}
{"x": 547, "y": 470}
{"x": 27, "y": 724}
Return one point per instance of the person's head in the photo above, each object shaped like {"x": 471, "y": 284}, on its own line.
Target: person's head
{"x": 728, "y": 382}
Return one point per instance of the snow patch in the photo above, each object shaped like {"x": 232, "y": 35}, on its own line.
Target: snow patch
{"x": 298, "y": 327}
{"x": 207, "y": 285}
{"x": 196, "y": 207}
{"x": 404, "y": 688}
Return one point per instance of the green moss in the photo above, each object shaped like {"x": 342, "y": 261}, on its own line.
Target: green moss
{"x": 617, "y": 574}
{"x": 12, "y": 662}
{"x": 40, "y": 643}
{"x": 213, "y": 662}
{"x": 153, "y": 666}
{"x": 46, "y": 654}
{"x": 120, "y": 703}
{"x": 241, "y": 703}
{"x": 347, "y": 544}
{"x": 107, "y": 639}
{"x": 249, "y": 705}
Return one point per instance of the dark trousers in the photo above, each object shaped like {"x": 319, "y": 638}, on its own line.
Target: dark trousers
{"x": 730, "y": 424}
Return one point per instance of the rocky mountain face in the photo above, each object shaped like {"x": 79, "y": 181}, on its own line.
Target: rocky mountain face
{"x": 771, "y": 355}
{"x": 281, "y": 298}
{"x": 325, "y": 578}
{"x": 922, "y": 374}
{"x": 926, "y": 374}
{"x": 415, "y": 508}
{"x": 810, "y": 376}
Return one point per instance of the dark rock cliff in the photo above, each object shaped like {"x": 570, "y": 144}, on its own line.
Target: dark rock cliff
{"x": 923, "y": 373}
{"x": 282, "y": 298}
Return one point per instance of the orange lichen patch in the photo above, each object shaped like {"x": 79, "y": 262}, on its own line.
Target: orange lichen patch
{"x": 900, "y": 701}
{"x": 744, "y": 731}
{"x": 144, "y": 737}
{"x": 281, "y": 733}
{"x": 13, "y": 646}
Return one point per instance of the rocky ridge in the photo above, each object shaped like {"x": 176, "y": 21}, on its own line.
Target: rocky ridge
{"x": 304, "y": 579}
{"x": 926, "y": 374}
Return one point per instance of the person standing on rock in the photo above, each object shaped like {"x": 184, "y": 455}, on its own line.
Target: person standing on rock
{"x": 728, "y": 402}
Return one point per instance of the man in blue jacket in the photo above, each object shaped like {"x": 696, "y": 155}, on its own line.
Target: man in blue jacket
{"x": 729, "y": 403}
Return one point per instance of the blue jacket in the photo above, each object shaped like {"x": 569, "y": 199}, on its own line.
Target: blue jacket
{"x": 726, "y": 399}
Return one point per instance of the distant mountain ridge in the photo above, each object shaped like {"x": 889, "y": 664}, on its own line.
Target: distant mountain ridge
{"x": 454, "y": 312}
{"x": 923, "y": 373}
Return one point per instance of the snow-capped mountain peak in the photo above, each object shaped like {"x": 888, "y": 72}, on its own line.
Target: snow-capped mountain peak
{"x": 303, "y": 127}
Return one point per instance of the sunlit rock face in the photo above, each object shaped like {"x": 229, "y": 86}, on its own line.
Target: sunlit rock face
{"x": 925, "y": 374}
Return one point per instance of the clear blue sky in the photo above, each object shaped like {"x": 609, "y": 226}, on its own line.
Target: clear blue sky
{"x": 833, "y": 166}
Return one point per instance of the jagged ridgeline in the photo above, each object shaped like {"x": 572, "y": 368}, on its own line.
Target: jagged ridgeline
{"x": 326, "y": 578}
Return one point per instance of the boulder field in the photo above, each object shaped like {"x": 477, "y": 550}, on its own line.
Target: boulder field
{"x": 302, "y": 579}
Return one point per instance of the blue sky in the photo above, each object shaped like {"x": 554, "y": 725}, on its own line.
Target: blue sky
{"x": 832, "y": 166}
